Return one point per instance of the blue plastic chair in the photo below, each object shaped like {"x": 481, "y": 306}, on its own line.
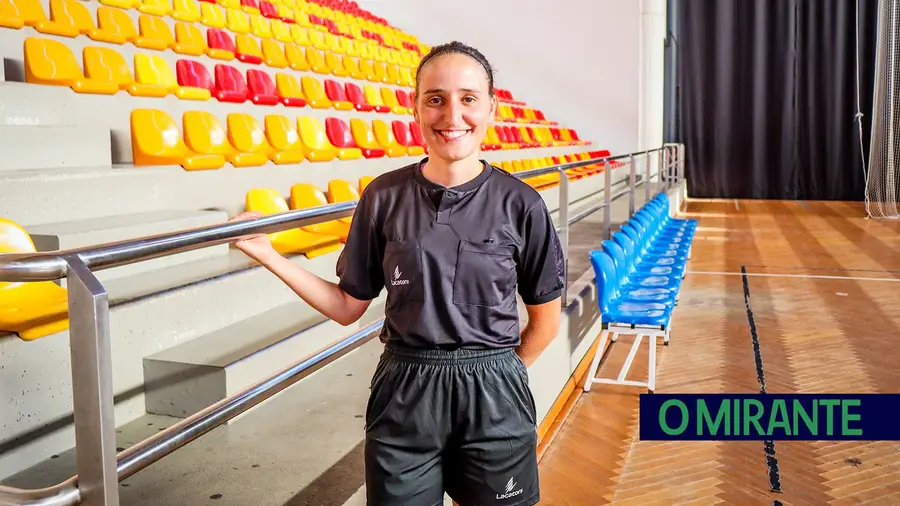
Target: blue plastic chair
{"x": 622, "y": 314}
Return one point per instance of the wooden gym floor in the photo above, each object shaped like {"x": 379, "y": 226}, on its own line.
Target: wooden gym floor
{"x": 823, "y": 283}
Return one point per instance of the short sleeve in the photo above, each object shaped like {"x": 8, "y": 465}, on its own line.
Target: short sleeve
{"x": 542, "y": 266}
{"x": 359, "y": 264}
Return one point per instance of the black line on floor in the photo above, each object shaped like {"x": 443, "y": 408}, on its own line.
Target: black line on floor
{"x": 835, "y": 269}
{"x": 771, "y": 460}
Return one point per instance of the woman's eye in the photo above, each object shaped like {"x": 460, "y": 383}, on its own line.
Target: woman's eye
{"x": 469, "y": 100}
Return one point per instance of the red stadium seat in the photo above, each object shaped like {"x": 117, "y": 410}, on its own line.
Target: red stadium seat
{"x": 335, "y": 92}
{"x": 358, "y": 98}
{"x": 261, "y": 88}
{"x": 230, "y": 84}
{"x": 341, "y": 137}
{"x": 194, "y": 74}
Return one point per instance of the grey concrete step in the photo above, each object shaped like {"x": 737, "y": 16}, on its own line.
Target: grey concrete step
{"x": 53, "y": 147}
{"x": 80, "y": 233}
{"x": 184, "y": 379}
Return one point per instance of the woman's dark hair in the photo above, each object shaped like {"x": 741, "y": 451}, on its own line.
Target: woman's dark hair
{"x": 457, "y": 47}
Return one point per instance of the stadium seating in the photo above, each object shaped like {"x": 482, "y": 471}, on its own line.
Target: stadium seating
{"x": 33, "y": 309}
{"x": 297, "y": 240}
{"x": 638, "y": 275}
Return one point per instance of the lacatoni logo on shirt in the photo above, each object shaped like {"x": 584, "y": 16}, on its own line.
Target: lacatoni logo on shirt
{"x": 397, "y": 281}
{"x": 509, "y": 490}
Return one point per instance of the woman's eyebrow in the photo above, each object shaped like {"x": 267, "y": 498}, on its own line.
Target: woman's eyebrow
{"x": 439, "y": 90}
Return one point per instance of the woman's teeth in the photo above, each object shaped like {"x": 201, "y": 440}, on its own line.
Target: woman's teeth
{"x": 452, "y": 134}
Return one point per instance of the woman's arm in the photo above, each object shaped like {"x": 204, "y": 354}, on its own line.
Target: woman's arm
{"x": 541, "y": 329}
{"x": 326, "y": 297}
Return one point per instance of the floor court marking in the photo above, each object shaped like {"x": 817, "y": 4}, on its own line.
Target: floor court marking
{"x": 797, "y": 268}
{"x": 769, "y": 445}
{"x": 805, "y": 276}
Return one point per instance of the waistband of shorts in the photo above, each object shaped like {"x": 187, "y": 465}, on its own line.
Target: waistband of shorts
{"x": 447, "y": 357}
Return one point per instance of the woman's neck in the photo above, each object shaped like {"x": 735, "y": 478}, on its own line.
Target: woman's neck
{"x": 450, "y": 174}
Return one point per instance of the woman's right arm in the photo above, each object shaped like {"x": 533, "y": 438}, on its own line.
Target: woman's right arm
{"x": 324, "y": 296}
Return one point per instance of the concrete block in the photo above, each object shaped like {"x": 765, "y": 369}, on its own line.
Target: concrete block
{"x": 184, "y": 379}
{"x": 53, "y": 147}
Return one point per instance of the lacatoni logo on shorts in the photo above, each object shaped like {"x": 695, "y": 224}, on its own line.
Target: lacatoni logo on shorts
{"x": 508, "y": 491}
{"x": 397, "y": 281}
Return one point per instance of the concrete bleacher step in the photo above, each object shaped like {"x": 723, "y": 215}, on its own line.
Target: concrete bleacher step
{"x": 29, "y": 104}
{"x": 53, "y": 147}
{"x": 79, "y": 233}
{"x": 184, "y": 379}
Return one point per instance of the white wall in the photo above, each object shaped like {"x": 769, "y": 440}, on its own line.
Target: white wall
{"x": 590, "y": 64}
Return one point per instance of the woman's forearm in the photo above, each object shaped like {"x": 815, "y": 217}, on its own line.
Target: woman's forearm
{"x": 324, "y": 296}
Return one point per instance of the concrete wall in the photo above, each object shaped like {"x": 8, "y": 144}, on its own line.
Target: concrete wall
{"x": 594, "y": 65}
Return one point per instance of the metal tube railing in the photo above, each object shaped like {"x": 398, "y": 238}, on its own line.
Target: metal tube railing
{"x": 99, "y": 468}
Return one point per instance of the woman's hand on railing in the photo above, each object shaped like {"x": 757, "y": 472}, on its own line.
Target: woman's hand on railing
{"x": 257, "y": 246}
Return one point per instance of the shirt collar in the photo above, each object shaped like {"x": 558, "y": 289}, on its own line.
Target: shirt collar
{"x": 486, "y": 172}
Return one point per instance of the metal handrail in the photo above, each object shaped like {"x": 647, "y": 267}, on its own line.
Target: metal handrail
{"x": 48, "y": 266}
{"x": 89, "y": 334}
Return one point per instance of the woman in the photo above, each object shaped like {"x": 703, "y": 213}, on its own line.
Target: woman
{"x": 452, "y": 239}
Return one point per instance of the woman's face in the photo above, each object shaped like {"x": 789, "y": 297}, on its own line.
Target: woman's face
{"x": 454, "y": 106}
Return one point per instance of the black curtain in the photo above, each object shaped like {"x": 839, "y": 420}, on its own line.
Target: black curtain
{"x": 763, "y": 93}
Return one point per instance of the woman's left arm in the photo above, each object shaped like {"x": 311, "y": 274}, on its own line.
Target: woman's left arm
{"x": 542, "y": 274}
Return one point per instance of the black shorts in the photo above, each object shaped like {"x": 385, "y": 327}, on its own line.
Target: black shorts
{"x": 458, "y": 421}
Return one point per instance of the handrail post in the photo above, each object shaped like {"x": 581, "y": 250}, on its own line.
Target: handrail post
{"x": 647, "y": 176}
{"x": 631, "y": 186}
{"x": 607, "y": 199}
{"x": 92, "y": 391}
{"x": 564, "y": 228}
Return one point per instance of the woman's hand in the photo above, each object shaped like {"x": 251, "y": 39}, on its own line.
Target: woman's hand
{"x": 257, "y": 246}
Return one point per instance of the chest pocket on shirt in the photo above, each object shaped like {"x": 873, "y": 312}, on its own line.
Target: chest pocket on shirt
{"x": 402, "y": 267}
{"x": 485, "y": 274}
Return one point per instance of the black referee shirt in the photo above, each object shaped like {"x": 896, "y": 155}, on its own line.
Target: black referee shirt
{"x": 452, "y": 258}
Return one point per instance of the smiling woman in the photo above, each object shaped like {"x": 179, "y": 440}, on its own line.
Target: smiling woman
{"x": 452, "y": 239}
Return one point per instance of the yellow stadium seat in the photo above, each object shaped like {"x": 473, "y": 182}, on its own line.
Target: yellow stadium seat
{"x": 335, "y": 65}
{"x": 305, "y": 195}
{"x": 295, "y": 240}
{"x": 155, "y": 140}
{"x": 365, "y": 139}
{"x": 122, "y": 4}
{"x": 283, "y": 138}
{"x": 213, "y": 15}
{"x": 107, "y": 65}
{"x": 247, "y": 136}
{"x": 364, "y": 182}
{"x": 155, "y": 28}
{"x": 281, "y": 31}
{"x": 238, "y": 21}
{"x": 51, "y": 62}
{"x": 191, "y": 39}
{"x": 314, "y": 93}
{"x": 316, "y": 144}
{"x": 231, "y": 4}
{"x": 260, "y": 26}
{"x": 18, "y": 13}
{"x": 273, "y": 55}
{"x": 380, "y": 72}
{"x": 74, "y": 13}
{"x": 406, "y": 78}
{"x": 351, "y": 65}
{"x": 393, "y": 75}
{"x": 296, "y": 57}
{"x": 316, "y": 61}
{"x": 300, "y": 35}
{"x": 340, "y": 190}
{"x": 9, "y": 15}
{"x": 156, "y": 7}
{"x": 186, "y": 10}
{"x": 385, "y": 136}
{"x": 317, "y": 39}
{"x": 118, "y": 21}
{"x": 389, "y": 98}
{"x": 33, "y": 309}
{"x": 203, "y": 133}
{"x": 367, "y": 69}
{"x": 153, "y": 70}
{"x": 247, "y": 45}
{"x": 287, "y": 86}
